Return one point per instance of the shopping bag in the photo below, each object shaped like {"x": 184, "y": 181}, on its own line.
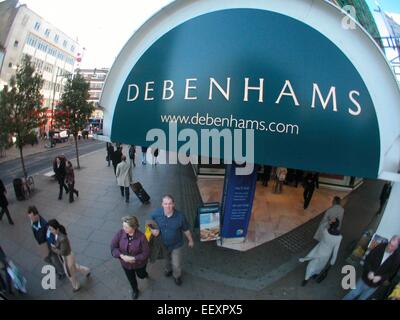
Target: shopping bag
{"x": 147, "y": 232}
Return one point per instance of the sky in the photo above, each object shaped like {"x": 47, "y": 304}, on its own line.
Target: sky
{"x": 103, "y": 27}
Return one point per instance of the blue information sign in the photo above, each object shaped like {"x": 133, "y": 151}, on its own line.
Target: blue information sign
{"x": 237, "y": 204}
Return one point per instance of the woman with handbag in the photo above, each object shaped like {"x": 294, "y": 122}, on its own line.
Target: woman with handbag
{"x": 326, "y": 249}
{"x": 62, "y": 247}
{"x": 131, "y": 248}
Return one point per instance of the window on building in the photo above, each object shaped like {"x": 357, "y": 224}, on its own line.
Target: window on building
{"x": 65, "y": 43}
{"x": 10, "y": 65}
{"x": 37, "y": 26}
{"x": 56, "y": 38}
{"x": 16, "y": 42}
{"x": 72, "y": 49}
{"x": 25, "y": 20}
{"x": 47, "y": 33}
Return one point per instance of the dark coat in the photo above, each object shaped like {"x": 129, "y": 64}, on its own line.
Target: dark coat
{"x": 116, "y": 157}
{"x": 373, "y": 263}
{"x": 59, "y": 171}
{"x": 3, "y": 198}
{"x": 311, "y": 181}
{"x": 69, "y": 176}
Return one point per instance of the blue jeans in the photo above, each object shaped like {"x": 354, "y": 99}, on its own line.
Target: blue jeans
{"x": 361, "y": 292}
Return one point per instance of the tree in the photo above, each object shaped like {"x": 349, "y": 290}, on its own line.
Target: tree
{"x": 4, "y": 125}
{"x": 22, "y": 102}
{"x": 74, "y": 110}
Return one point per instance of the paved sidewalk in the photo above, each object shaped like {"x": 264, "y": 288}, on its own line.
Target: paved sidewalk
{"x": 269, "y": 271}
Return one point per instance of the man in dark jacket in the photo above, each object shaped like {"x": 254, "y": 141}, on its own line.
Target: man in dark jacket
{"x": 116, "y": 158}
{"x": 4, "y": 204}
{"x": 380, "y": 265}
{"x": 44, "y": 238}
{"x": 310, "y": 183}
{"x": 59, "y": 170}
{"x": 110, "y": 152}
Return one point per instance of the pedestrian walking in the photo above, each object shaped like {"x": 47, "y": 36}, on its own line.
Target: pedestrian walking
{"x": 172, "y": 224}
{"x": 4, "y": 204}
{"x": 310, "y": 183}
{"x": 130, "y": 246}
{"x": 110, "y": 152}
{"x": 144, "y": 152}
{"x": 70, "y": 180}
{"x": 5, "y": 281}
{"x": 124, "y": 178}
{"x": 154, "y": 153}
{"x": 14, "y": 277}
{"x": 45, "y": 238}
{"x": 116, "y": 158}
{"x": 60, "y": 172}
{"x": 266, "y": 175}
{"x": 385, "y": 193}
{"x": 132, "y": 155}
{"x": 326, "y": 249}
{"x": 336, "y": 211}
{"x": 62, "y": 247}
{"x": 281, "y": 173}
{"x": 380, "y": 265}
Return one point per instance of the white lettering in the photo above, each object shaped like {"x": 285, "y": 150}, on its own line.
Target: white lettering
{"x": 188, "y": 88}
{"x": 168, "y": 89}
{"x": 260, "y": 89}
{"x": 129, "y": 99}
{"x": 148, "y": 89}
{"x": 49, "y": 280}
{"x": 355, "y": 102}
{"x": 332, "y": 93}
{"x": 226, "y": 93}
{"x": 349, "y": 281}
{"x": 290, "y": 94}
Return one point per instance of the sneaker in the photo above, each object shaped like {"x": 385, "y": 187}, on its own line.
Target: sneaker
{"x": 178, "y": 281}
{"x": 76, "y": 290}
{"x": 168, "y": 274}
{"x": 303, "y": 283}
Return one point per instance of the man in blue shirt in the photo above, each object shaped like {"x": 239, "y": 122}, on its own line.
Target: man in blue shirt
{"x": 172, "y": 224}
{"x": 45, "y": 238}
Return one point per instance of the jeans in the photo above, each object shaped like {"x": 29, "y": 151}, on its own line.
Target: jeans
{"x": 361, "y": 292}
{"x": 131, "y": 275}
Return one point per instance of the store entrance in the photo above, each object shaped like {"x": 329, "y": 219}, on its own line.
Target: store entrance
{"x": 274, "y": 213}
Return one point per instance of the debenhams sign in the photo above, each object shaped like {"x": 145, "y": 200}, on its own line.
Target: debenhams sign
{"x": 255, "y": 69}
{"x": 166, "y": 92}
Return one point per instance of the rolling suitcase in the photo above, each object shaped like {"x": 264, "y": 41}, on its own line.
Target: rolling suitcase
{"x": 19, "y": 194}
{"x": 137, "y": 188}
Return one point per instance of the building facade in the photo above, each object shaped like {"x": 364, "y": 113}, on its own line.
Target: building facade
{"x": 24, "y": 32}
{"x": 96, "y": 78}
